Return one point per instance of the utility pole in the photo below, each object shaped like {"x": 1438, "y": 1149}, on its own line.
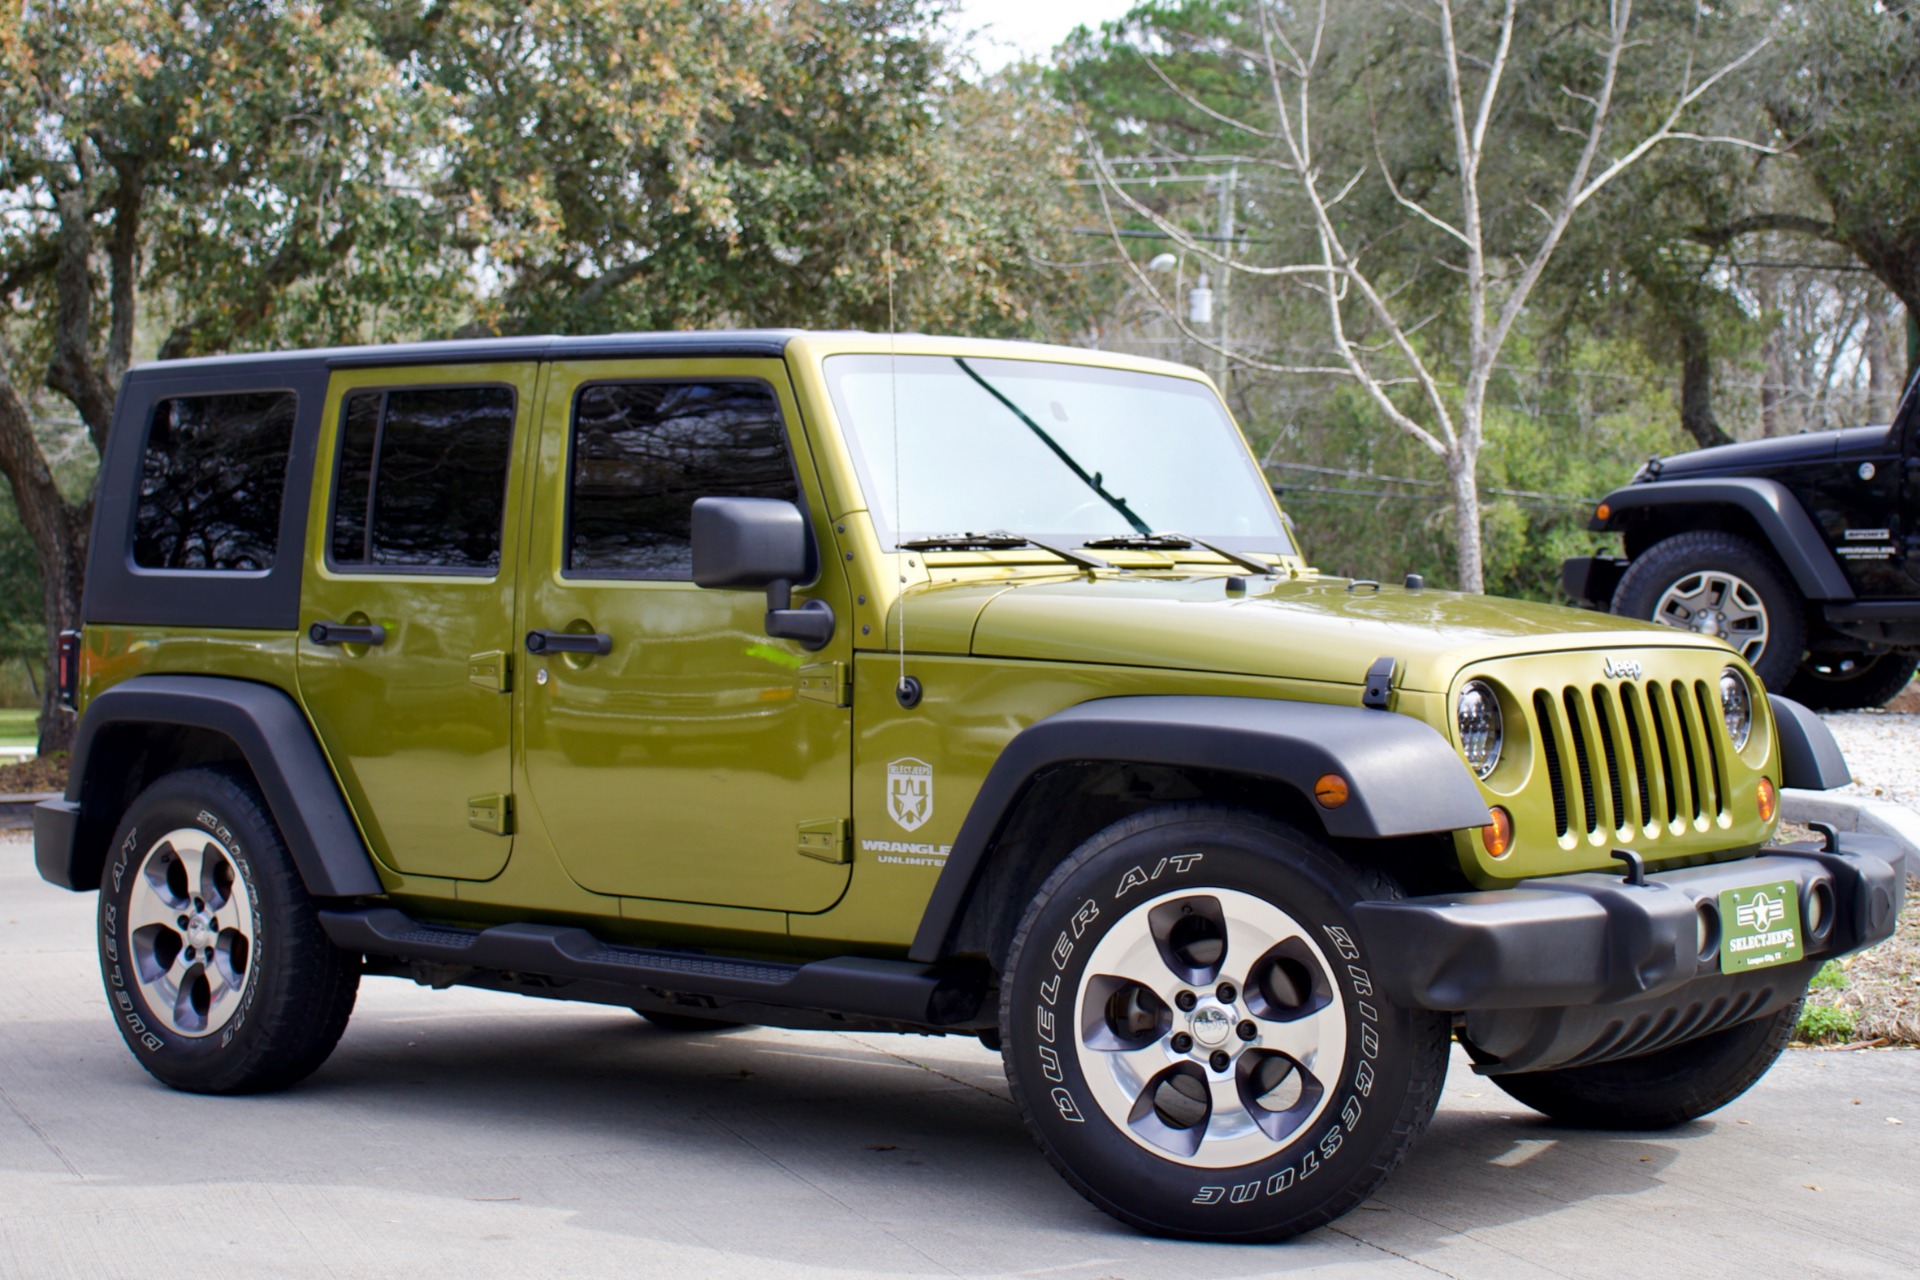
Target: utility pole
{"x": 1221, "y": 364}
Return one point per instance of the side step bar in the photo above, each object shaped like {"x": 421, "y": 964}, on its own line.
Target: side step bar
{"x": 897, "y": 991}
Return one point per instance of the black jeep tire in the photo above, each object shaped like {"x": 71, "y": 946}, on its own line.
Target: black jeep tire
{"x": 1690, "y": 564}
{"x": 217, "y": 971}
{"x": 1850, "y": 681}
{"x": 1127, "y": 1112}
{"x": 688, "y": 1023}
{"x": 1661, "y": 1089}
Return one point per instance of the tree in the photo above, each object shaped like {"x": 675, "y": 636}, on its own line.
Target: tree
{"x": 1485, "y": 132}
{"x": 236, "y": 162}
{"x": 244, "y": 175}
{"x": 1841, "y": 93}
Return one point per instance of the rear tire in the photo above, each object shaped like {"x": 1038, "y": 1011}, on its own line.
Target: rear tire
{"x": 1717, "y": 584}
{"x": 1661, "y": 1089}
{"x": 218, "y": 974}
{"x": 1193, "y": 1038}
{"x": 1850, "y": 681}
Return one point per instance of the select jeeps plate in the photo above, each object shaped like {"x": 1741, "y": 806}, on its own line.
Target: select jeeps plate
{"x": 1759, "y": 926}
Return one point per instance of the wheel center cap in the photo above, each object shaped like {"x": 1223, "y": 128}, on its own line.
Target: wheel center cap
{"x": 198, "y": 934}
{"x": 1211, "y": 1026}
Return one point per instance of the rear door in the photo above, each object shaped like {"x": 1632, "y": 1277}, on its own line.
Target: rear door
{"x": 406, "y": 610}
{"x": 693, "y": 758}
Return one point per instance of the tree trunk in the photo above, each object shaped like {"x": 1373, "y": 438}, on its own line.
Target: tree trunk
{"x": 1462, "y": 461}
{"x": 1696, "y": 386}
{"x": 63, "y": 576}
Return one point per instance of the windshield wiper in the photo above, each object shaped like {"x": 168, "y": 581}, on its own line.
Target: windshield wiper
{"x": 1177, "y": 542}
{"x": 1093, "y": 481}
{"x": 999, "y": 540}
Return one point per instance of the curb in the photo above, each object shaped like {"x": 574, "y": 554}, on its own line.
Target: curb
{"x": 1896, "y": 822}
{"x": 16, "y": 809}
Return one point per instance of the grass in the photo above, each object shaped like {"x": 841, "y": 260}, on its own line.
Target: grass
{"x": 17, "y": 726}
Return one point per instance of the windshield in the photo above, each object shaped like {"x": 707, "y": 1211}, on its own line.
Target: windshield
{"x": 1055, "y": 451}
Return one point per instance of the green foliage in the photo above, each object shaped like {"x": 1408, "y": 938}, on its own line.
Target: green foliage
{"x": 1825, "y": 1024}
{"x": 1830, "y": 978}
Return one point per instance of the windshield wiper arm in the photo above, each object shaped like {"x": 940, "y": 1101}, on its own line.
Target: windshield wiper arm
{"x": 999, "y": 540}
{"x": 1178, "y": 542}
{"x": 1091, "y": 481}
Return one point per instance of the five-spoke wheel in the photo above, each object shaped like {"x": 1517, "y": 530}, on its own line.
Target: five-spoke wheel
{"x": 1208, "y": 1026}
{"x": 1193, "y": 1033}
{"x": 190, "y": 923}
{"x": 220, "y": 976}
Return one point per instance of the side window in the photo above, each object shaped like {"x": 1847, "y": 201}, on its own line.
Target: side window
{"x": 643, "y": 451}
{"x": 213, "y": 481}
{"x": 421, "y": 480}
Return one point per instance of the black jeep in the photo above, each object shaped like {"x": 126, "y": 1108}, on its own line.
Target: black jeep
{"x": 1802, "y": 552}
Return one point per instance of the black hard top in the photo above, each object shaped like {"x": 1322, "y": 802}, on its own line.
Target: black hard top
{"x": 712, "y": 344}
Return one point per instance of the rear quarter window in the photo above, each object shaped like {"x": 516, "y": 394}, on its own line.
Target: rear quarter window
{"x": 212, "y": 483}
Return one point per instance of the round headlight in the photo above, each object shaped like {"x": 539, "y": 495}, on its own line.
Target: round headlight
{"x": 1736, "y": 705}
{"x": 1478, "y": 720}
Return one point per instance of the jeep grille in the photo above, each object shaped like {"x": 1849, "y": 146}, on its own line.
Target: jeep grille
{"x": 1645, "y": 757}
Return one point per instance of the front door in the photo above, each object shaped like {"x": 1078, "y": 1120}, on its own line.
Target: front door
{"x": 406, "y": 609}
{"x": 673, "y": 749}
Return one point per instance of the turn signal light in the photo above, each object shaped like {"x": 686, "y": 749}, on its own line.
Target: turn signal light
{"x": 1769, "y": 800}
{"x": 1602, "y": 511}
{"x": 1330, "y": 791}
{"x": 1497, "y": 835}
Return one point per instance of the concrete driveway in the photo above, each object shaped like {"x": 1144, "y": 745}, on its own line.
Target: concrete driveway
{"x": 464, "y": 1134}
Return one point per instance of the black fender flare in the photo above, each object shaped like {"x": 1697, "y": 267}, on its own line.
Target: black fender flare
{"x": 272, "y": 735}
{"x": 1789, "y": 530}
{"x": 1403, "y": 777}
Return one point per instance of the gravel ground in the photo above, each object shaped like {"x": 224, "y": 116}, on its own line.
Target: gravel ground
{"x": 1873, "y": 998}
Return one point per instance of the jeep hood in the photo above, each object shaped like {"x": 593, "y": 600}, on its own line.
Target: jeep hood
{"x": 1759, "y": 456}
{"x": 1315, "y": 629}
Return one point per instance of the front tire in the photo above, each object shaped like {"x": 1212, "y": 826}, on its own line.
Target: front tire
{"x": 1720, "y": 585}
{"x": 1192, "y": 1036}
{"x": 1850, "y": 681}
{"x": 1661, "y": 1089}
{"x": 216, "y": 968}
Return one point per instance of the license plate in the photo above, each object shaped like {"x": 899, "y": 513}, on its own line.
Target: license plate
{"x": 1759, "y": 926}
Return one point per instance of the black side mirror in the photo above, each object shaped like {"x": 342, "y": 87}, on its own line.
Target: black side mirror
{"x": 761, "y": 542}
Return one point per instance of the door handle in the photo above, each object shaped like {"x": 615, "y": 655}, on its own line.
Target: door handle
{"x": 346, "y": 633}
{"x": 569, "y": 642}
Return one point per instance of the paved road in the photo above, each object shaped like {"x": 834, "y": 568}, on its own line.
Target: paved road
{"x": 472, "y": 1134}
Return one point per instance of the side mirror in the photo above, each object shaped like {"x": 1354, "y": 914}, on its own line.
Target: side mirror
{"x": 761, "y": 542}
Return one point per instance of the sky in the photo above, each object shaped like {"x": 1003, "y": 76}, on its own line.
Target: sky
{"x": 1029, "y": 28}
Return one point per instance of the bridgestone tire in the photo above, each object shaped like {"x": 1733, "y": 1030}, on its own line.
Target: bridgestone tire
{"x": 1253, "y": 1174}
{"x": 1852, "y": 682}
{"x": 1662, "y": 1089}
{"x": 266, "y": 1010}
{"x": 1667, "y": 565}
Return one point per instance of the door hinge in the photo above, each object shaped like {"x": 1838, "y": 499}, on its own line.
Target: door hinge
{"x": 491, "y": 670}
{"x": 825, "y": 840}
{"x": 827, "y": 682}
{"x": 492, "y": 814}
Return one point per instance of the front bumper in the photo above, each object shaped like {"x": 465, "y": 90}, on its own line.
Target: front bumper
{"x": 1567, "y": 970}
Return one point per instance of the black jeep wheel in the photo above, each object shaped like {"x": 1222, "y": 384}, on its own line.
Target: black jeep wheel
{"x": 217, "y": 971}
{"x": 1192, "y": 1035}
{"x": 1662, "y": 1089}
{"x": 1720, "y": 585}
{"x": 1850, "y": 681}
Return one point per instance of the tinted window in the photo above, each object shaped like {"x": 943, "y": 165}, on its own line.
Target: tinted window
{"x": 643, "y": 451}
{"x": 422, "y": 478}
{"x": 212, "y": 482}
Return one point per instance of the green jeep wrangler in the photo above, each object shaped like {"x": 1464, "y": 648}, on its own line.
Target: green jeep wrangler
{"x": 920, "y": 685}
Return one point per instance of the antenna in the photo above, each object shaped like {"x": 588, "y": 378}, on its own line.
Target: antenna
{"x": 907, "y": 690}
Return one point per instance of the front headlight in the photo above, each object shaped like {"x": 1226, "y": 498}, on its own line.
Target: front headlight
{"x": 1736, "y": 705}
{"x": 1478, "y": 722}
